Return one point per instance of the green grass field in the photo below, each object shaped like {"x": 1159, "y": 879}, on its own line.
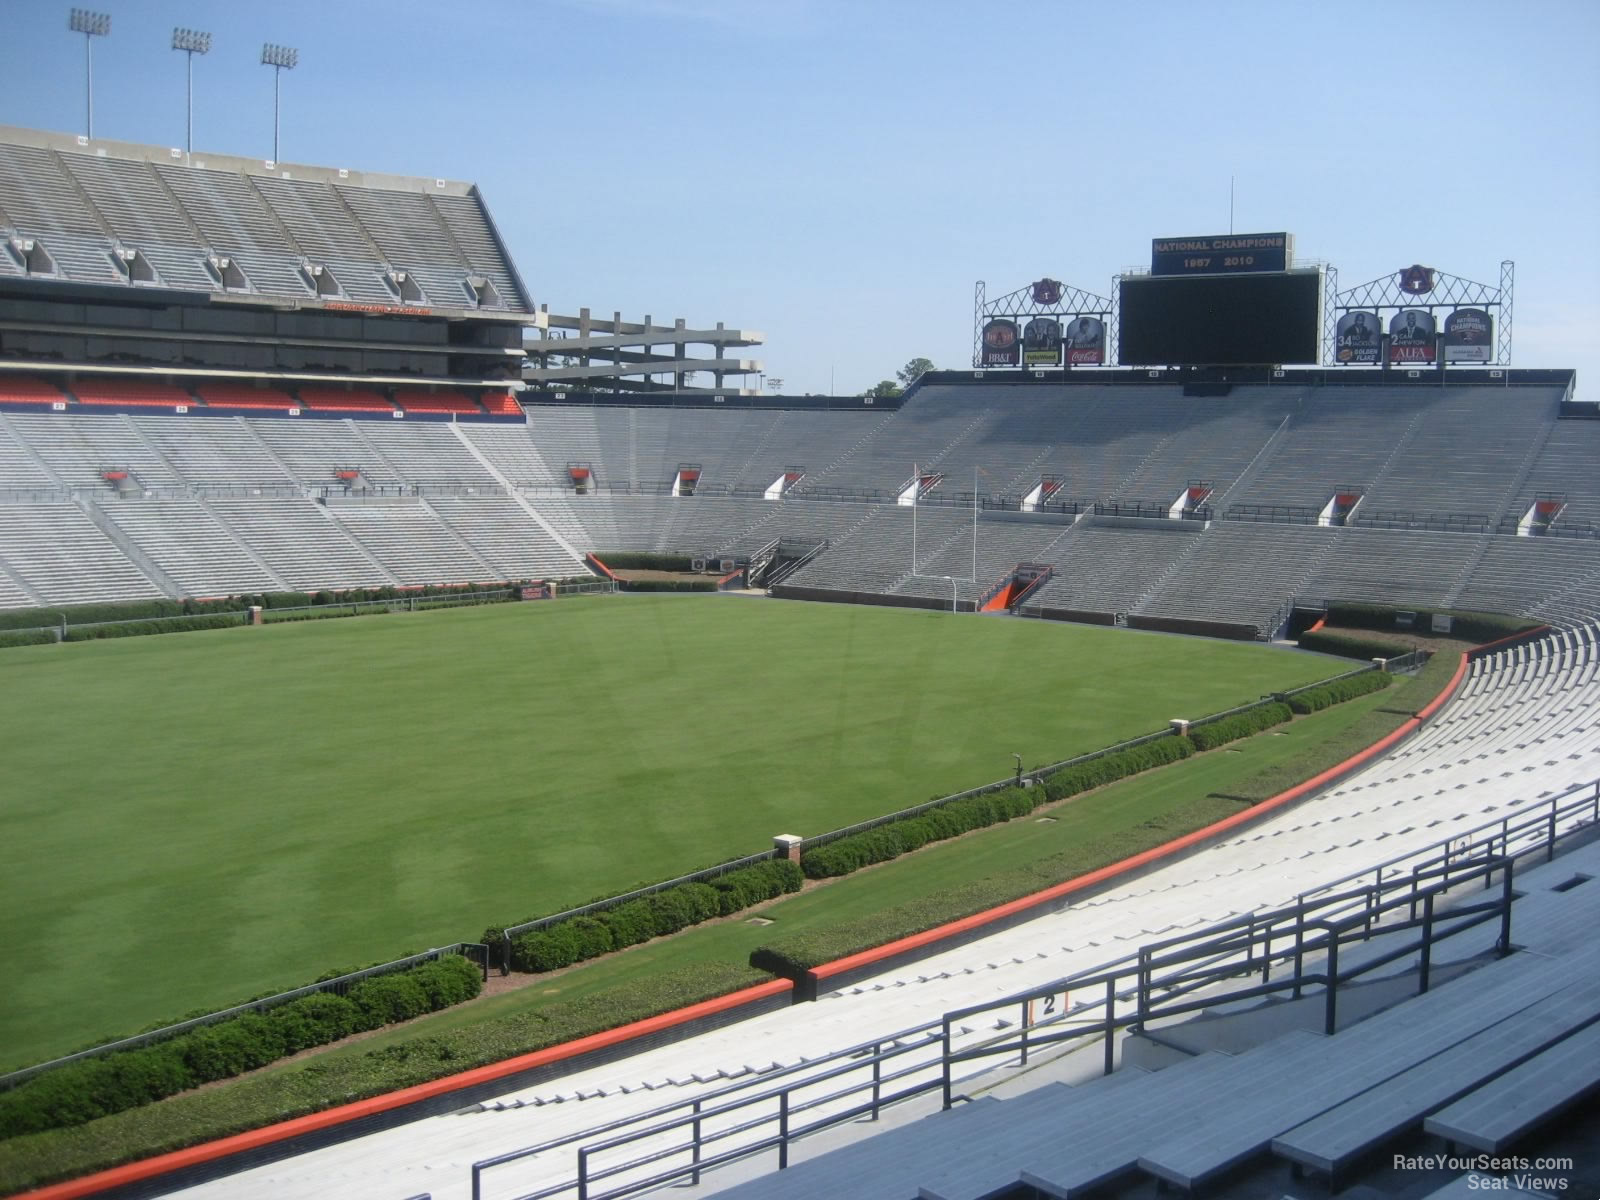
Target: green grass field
{"x": 191, "y": 820}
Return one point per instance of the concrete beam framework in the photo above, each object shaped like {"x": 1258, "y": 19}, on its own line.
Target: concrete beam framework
{"x": 627, "y": 354}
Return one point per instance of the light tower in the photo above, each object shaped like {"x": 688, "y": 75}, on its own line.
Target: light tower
{"x": 280, "y": 59}
{"x": 191, "y": 42}
{"x": 91, "y": 25}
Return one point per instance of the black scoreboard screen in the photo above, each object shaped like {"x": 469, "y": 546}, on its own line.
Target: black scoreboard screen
{"x": 1221, "y": 320}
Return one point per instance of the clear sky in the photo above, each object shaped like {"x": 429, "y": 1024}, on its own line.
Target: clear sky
{"x": 839, "y": 173}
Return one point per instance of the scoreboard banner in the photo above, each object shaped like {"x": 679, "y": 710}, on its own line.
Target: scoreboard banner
{"x": 1468, "y": 336}
{"x": 1041, "y": 342}
{"x": 1001, "y": 346}
{"x": 1086, "y": 342}
{"x": 1411, "y": 336}
{"x": 1220, "y": 254}
{"x": 1356, "y": 337}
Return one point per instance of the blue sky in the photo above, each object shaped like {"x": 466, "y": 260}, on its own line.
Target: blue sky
{"x": 838, "y": 173}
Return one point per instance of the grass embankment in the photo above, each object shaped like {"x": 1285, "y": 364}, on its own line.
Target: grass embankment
{"x": 943, "y": 882}
{"x": 232, "y": 813}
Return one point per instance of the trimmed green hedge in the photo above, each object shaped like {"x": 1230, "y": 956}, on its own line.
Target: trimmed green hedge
{"x": 895, "y": 838}
{"x": 1340, "y": 690}
{"x": 1107, "y": 768}
{"x": 579, "y": 938}
{"x": 1242, "y": 725}
{"x": 791, "y": 955}
{"x": 1470, "y": 626}
{"x": 182, "y": 624}
{"x": 645, "y": 560}
{"x": 97, "y": 1087}
{"x": 1350, "y": 645}
{"x": 668, "y": 585}
{"x": 145, "y": 610}
{"x": 27, "y": 637}
{"x": 328, "y": 1080}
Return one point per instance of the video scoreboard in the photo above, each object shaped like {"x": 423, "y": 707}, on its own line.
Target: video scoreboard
{"x": 1221, "y": 300}
{"x": 1267, "y": 319}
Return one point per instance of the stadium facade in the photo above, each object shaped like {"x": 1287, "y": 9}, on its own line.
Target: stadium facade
{"x": 220, "y": 375}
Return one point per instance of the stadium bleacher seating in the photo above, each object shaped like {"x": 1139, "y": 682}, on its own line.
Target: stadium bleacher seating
{"x": 355, "y": 400}
{"x": 436, "y": 402}
{"x": 132, "y": 393}
{"x": 1256, "y": 449}
{"x": 501, "y": 404}
{"x": 182, "y": 220}
{"x": 229, "y": 395}
{"x": 22, "y": 389}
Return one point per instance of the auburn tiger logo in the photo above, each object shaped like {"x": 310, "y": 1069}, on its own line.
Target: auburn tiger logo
{"x": 1417, "y": 280}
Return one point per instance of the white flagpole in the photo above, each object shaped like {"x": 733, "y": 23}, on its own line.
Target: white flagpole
{"x": 974, "y": 524}
{"x": 916, "y": 486}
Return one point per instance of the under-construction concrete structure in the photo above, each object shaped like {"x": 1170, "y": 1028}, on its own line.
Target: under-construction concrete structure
{"x": 585, "y": 353}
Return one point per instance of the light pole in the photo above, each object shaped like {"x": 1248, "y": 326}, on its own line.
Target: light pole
{"x": 280, "y": 59}
{"x": 91, "y": 25}
{"x": 191, "y": 42}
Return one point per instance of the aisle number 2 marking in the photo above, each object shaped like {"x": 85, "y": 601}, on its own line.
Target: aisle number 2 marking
{"x": 1045, "y": 1008}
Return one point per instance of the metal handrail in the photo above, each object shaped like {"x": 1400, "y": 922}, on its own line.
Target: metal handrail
{"x": 1352, "y": 909}
{"x": 1146, "y": 1010}
{"x": 917, "y": 1037}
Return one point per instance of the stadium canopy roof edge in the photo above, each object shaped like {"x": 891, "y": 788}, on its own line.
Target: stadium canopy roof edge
{"x": 138, "y": 152}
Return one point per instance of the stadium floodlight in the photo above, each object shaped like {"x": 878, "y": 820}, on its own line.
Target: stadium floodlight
{"x": 92, "y": 25}
{"x": 280, "y": 59}
{"x": 191, "y": 42}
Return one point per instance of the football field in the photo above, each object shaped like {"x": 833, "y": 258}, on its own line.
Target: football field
{"x": 188, "y": 821}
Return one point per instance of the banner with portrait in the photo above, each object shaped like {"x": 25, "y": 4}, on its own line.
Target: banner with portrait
{"x": 1086, "y": 341}
{"x": 1412, "y": 336}
{"x": 1041, "y": 342}
{"x": 1356, "y": 337}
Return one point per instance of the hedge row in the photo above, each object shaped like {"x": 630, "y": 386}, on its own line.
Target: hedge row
{"x": 145, "y": 610}
{"x": 645, "y": 560}
{"x": 328, "y": 1080}
{"x": 668, "y": 585}
{"x": 186, "y": 624}
{"x": 579, "y": 938}
{"x": 1107, "y": 768}
{"x": 1472, "y": 626}
{"x": 1104, "y": 839}
{"x": 1340, "y": 690}
{"x": 1348, "y": 645}
{"x": 1231, "y": 729}
{"x": 895, "y": 838}
{"x": 96, "y": 1087}
{"x": 27, "y": 637}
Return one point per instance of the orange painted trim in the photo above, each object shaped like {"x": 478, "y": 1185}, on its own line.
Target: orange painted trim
{"x": 251, "y": 1139}
{"x": 1317, "y": 628}
{"x": 1145, "y": 858}
{"x": 1527, "y": 635}
{"x": 604, "y": 570}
